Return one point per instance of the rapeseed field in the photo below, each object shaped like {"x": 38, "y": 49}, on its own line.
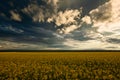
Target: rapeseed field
{"x": 59, "y": 66}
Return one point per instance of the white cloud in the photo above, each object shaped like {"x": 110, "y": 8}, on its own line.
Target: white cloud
{"x": 68, "y": 29}
{"x": 65, "y": 18}
{"x": 15, "y": 16}
{"x": 68, "y": 19}
{"x": 102, "y": 13}
{"x": 7, "y": 45}
{"x": 39, "y": 13}
{"x": 35, "y": 12}
{"x": 90, "y": 45}
{"x": 107, "y": 16}
{"x": 87, "y": 20}
{"x": 106, "y": 20}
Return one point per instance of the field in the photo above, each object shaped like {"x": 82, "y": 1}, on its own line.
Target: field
{"x": 59, "y": 66}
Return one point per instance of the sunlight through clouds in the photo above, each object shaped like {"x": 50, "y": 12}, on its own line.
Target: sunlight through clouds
{"x": 60, "y": 24}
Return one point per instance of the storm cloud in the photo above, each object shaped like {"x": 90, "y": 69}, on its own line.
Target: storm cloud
{"x": 59, "y": 22}
{"x": 41, "y": 10}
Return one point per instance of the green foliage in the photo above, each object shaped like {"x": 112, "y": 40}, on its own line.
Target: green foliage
{"x": 59, "y": 66}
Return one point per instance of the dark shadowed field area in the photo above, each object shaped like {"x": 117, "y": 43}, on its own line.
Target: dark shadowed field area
{"x": 59, "y": 66}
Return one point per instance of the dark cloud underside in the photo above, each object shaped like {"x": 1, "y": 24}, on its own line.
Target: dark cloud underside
{"x": 60, "y": 23}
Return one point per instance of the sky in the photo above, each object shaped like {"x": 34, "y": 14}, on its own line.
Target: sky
{"x": 60, "y": 25}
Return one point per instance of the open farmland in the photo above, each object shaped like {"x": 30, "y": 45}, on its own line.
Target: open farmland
{"x": 59, "y": 66}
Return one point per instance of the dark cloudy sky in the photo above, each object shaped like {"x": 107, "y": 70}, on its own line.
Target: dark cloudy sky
{"x": 60, "y": 24}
